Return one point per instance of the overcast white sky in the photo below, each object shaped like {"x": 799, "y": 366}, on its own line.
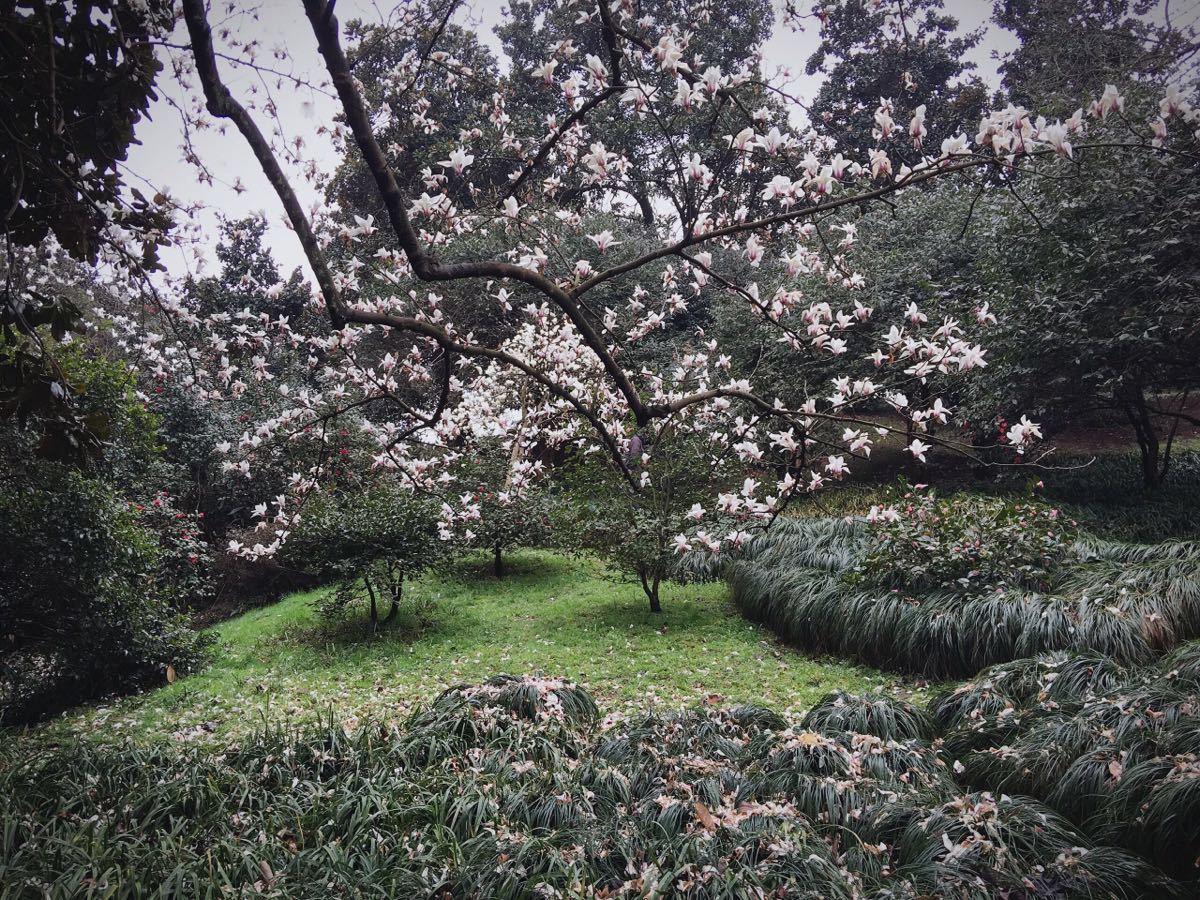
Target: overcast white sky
{"x": 282, "y": 23}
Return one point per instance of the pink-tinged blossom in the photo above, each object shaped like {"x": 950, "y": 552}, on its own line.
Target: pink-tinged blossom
{"x": 1172, "y": 103}
{"x": 916, "y": 128}
{"x": 459, "y": 160}
{"x": 599, "y": 162}
{"x": 1056, "y": 136}
{"x": 836, "y": 466}
{"x": 773, "y": 141}
{"x": 596, "y": 69}
{"x": 669, "y": 54}
{"x": 883, "y": 514}
{"x": 754, "y": 250}
{"x": 1023, "y": 432}
{"x": 742, "y": 141}
{"x": 1110, "y": 101}
{"x": 881, "y": 163}
{"x": 603, "y": 240}
{"x": 956, "y": 146}
{"x": 696, "y": 170}
{"x": 1158, "y": 127}
{"x": 779, "y": 186}
{"x": 918, "y": 448}
{"x": 884, "y": 123}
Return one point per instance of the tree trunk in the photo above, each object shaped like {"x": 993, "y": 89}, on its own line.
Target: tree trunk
{"x": 1151, "y": 472}
{"x": 650, "y": 586}
{"x": 374, "y": 605}
{"x": 1134, "y": 400}
{"x": 396, "y": 589}
{"x": 394, "y": 611}
{"x": 498, "y": 561}
{"x": 1166, "y": 456}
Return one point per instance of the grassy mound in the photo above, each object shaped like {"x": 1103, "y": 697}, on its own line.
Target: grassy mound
{"x": 510, "y": 788}
{"x": 975, "y": 583}
{"x": 1116, "y": 751}
{"x": 549, "y": 613}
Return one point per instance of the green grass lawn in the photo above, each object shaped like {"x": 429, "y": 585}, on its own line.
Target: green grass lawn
{"x": 551, "y": 614}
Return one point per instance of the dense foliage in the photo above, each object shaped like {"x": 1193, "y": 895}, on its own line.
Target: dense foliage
{"x": 369, "y": 543}
{"x": 868, "y": 51}
{"x": 1114, "y": 750}
{"x": 634, "y": 529}
{"x": 75, "y": 82}
{"x": 509, "y": 789}
{"x": 87, "y": 596}
{"x": 984, "y": 590}
{"x": 922, "y": 543}
{"x": 508, "y": 518}
{"x": 1105, "y": 318}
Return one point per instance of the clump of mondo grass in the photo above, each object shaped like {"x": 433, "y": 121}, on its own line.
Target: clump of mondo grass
{"x": 825, "y": 585}
{"x": 513, "y": 788}
{"x": 1115, "y": 751}
{"x": 884, "y": 717}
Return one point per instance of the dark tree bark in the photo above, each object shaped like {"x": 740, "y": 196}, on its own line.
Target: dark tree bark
{"x": 1138, "y": 412}
{"x": 396, "y": 590}
{"x": 374, "y": 604}
{"x": 650, "y": 585}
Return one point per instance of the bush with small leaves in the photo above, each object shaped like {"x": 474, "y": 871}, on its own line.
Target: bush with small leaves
{"x": 369, "y": 542}
{"x": 82, "y": 610}
{"x": 963, "y": 543}
{"x": 185, "y": 559}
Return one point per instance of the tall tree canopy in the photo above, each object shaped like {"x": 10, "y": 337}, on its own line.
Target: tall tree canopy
{"x": 911, "y": 54}
{"x": 1067, "y": 47}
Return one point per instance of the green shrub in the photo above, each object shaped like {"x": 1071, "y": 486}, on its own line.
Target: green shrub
{"x": 511, "y": 788}
{"x": 964, "y": 543}
{"x": 369, "y": 543}
{"x": 185, "y": 560}
{"x": 597, "y": 511}
{"x": 83, "y": 614}
{"x": 508, "y": 518}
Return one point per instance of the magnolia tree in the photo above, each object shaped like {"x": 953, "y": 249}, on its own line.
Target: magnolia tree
{"x": 721, "y": 190}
